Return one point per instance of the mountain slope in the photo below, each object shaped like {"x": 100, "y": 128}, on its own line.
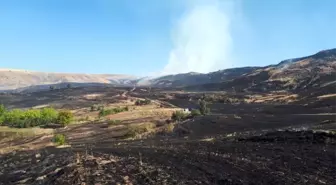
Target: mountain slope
{"x": 294, "y": 74}
{"x": 17, "y": 79}
{"x": 313, "y": 71}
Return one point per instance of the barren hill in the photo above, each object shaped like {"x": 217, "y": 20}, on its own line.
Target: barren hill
{"x": 17, "y": 79}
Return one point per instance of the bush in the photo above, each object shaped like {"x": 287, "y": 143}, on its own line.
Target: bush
{"x": 59, "y": 139}
{"x": 64, "y": 118}
{"x": 2, "y": 109}
{"x": 203, "y": 107}
{"x": 169, "y": 128}
{"x": 179, "y": 116}
{"x": 143, "y": 102}
{"x": 48, "y": 115}
{"x": 13, "y": 118}
{"x": 31, "y": 118}
{"x": 134, "y": 130}
{"x": 105, "y": 112}
{"x": 195, "y": 112}
{"x": 28, "y": 118}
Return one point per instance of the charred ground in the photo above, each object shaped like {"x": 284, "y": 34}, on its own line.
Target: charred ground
{"x": 248, "y": 138}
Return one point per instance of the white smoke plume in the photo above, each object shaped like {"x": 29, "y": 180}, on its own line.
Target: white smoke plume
{"x": 202, "y": 40}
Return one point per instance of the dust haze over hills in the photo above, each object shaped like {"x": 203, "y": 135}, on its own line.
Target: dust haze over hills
{"x": 310, "y": 71}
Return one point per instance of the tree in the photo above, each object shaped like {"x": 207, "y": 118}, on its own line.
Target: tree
{"x": 203, "y": 107}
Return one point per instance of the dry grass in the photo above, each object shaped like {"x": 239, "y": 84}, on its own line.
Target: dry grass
{"x": 26, "y": 131}
{"x": 168, "y": 128}
{"x": 134, "y": 131}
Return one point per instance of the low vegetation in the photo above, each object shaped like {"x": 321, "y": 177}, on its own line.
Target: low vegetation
{"x": 64, "y": 118}
{"x": 195, "y": 112}
{"x": 179, "y": 116}
{"x": 59, "y": 139}
{"x": 96, "y": 108}
{"x": 134, "y": 130}
{"x": 105, "y": 112}
{"x": 33, "y": 117}
{"x": 169, "y": 128}
{"x": 203, "y": 107}
{"x": 143, "y": 102}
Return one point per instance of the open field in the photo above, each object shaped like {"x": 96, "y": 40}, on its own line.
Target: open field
{"x": 266, "y": 138}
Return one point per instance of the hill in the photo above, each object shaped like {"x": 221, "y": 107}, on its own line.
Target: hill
{"x": 21, "y": 79}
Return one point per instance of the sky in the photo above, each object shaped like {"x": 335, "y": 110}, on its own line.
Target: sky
{"x": 152, "y": 37}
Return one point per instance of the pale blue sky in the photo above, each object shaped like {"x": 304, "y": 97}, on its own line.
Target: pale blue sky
{"x": 136, "y": 36}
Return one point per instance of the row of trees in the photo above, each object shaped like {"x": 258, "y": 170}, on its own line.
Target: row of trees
{"x": 33, "y": 117}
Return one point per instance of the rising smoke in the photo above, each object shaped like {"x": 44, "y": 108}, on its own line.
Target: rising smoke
{"x": 201, "y": 38}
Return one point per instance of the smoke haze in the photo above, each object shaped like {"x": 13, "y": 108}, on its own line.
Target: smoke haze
{"x": 201, "y": 38}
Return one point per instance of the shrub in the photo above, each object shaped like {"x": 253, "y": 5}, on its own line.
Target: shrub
{"x": 31, "y": 118}
{"x": 64, "y": 117}
{"x": 195, "y": 112}
{"x": 105, "y": 112}
{"x": 2, "y": 109}
{"x": 134, "y": 130}
{"x": 13, "y": 118}
{"x": 93, "y": 108}
{"x": 169, "y": 128}
{"x": 59, "y": 139}
{"x": 203, "y": 107}
{"x": 143, "y": 102}
{"x": 48, "y": 115}
{"x": 179, "y": 116}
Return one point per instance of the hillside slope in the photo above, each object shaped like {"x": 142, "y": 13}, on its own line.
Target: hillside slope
{"x": 315, "y": 71}
{"x": 18, "y": 79}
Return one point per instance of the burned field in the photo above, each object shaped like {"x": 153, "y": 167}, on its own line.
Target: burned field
{"x": 254, "y": 142}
